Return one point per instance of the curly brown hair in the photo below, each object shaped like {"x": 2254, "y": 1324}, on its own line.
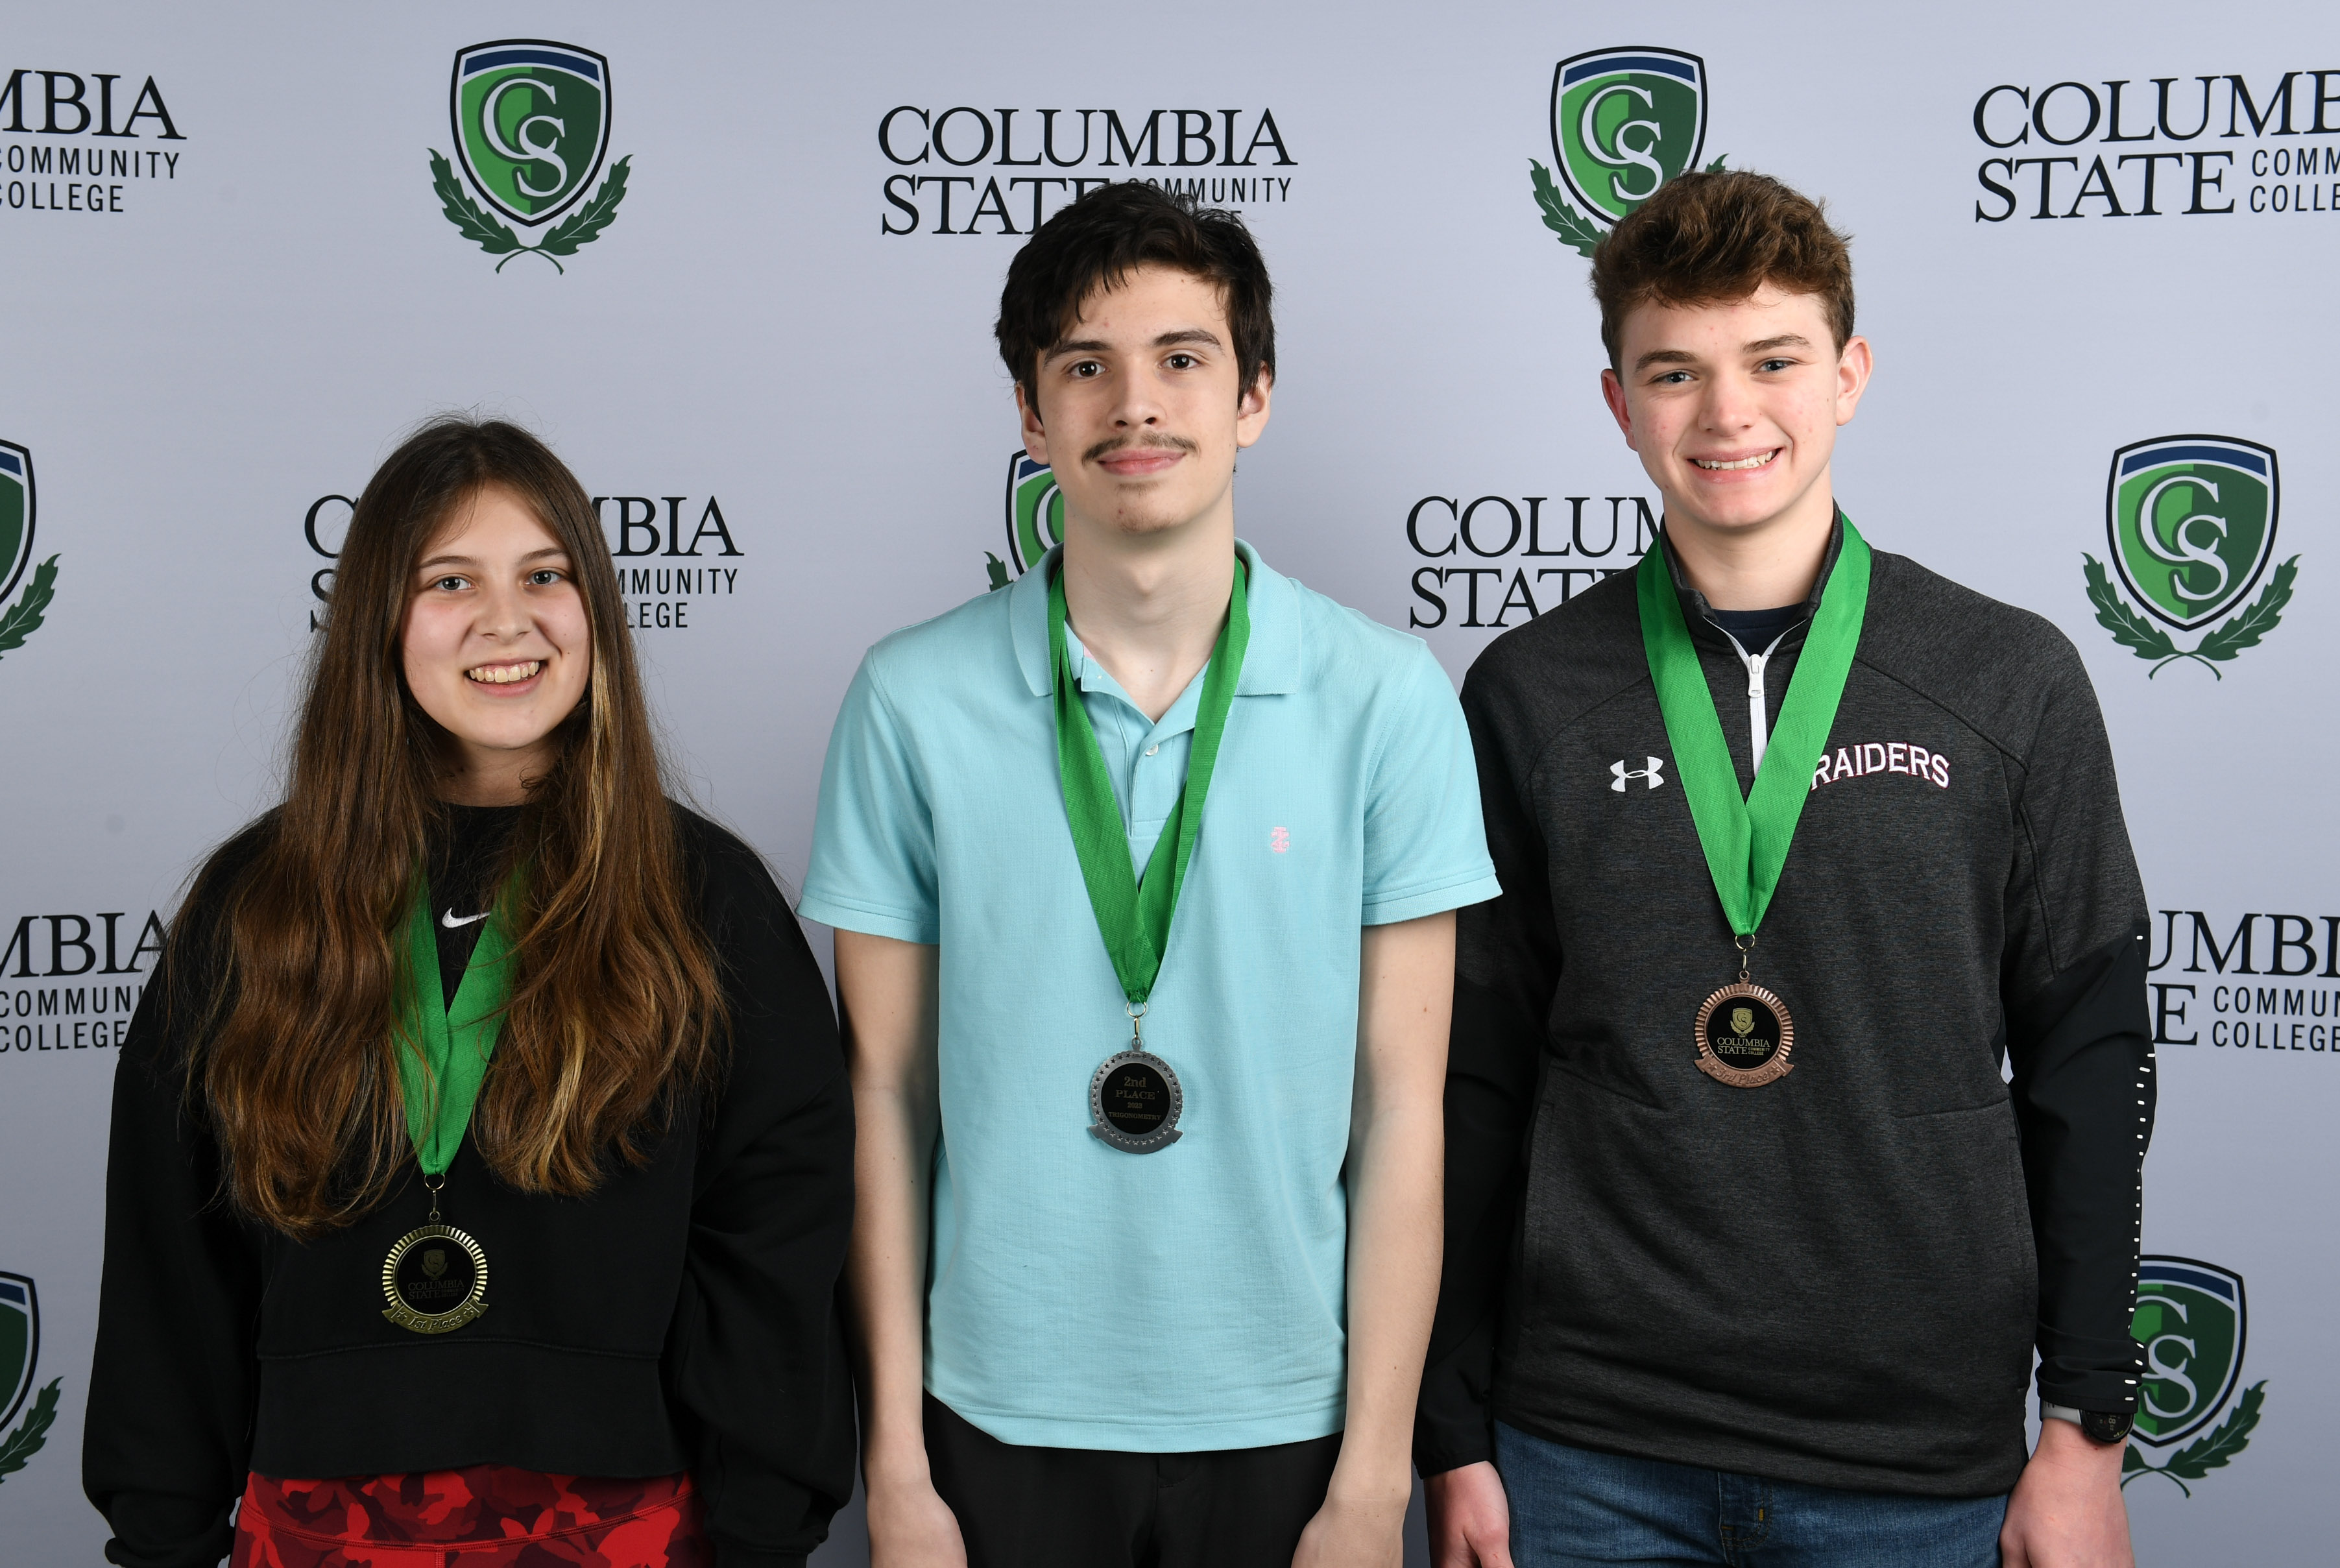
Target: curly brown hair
{"x": 1715, "y": 238}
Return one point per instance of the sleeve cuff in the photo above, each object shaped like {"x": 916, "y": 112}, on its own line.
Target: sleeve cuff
{"x": 840, "y": 915}
{"x": 1475, "y": 887}
{"x": 1435, "y": 1453}
{"x": 1453, "y": 1420}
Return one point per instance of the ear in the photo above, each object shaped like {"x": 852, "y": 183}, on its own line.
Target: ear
{"x": 1035, "y": 439}
{"x": 1251, "y": 408}
{"x": 1852, "y": 368}
{"x": 1612, "y": 392}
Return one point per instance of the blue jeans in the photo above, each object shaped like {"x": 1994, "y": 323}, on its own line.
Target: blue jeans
{"x": 1572, "y": 1506}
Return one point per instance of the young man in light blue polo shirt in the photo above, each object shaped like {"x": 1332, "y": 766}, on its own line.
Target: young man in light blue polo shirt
{"x": 1144, "y": 873}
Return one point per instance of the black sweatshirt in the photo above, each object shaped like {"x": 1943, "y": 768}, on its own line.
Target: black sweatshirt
{"x": 682, "y": 1317}
{"x": 1837, "y": 1278}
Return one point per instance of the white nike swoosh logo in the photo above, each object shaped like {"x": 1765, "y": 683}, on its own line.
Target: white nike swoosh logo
{"x": 449, "y": 921}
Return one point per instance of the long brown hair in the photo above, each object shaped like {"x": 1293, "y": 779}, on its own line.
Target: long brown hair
{"x": 614, "y": 1012}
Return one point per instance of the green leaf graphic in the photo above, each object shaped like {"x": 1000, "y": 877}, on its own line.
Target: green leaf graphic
{"x": 23, "y": 618}
{"x": 1716, "y": 166}
{"x": 998, "y": 569}
{"x": 26, "y": 1440}
{"x": 2264, "y": 616}
{"x": 2197, "y": 1460}
{"x": 478, "y": 225}
{"x": 2132, "y": 631}
{"x": 587, "y": 221}
{"x": 1573, "y": 227}
{"x": 2128, "y": 626}
{"x": 2232, "y": 1435}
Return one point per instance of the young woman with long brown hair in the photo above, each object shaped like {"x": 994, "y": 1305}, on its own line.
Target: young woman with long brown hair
{"x": 481, "y": 1162}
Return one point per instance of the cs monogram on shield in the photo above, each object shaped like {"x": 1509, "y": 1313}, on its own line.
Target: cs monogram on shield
{"x": 2191, "y": 519}
{"x": 531, "y": 123}
{"x": 1624, "y": 122}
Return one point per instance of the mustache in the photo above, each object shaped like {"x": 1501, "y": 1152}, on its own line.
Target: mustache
{"x": 1143, "y": 443}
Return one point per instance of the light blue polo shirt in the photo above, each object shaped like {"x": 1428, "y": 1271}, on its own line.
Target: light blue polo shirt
{"x": 1193, "y": 1298}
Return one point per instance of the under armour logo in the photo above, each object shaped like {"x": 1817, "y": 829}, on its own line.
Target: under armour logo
{"x": 1280, "y": 841}
{"x": 1619, "y": 773}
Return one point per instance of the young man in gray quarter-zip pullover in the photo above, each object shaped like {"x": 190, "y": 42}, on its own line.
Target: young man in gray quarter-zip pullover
{"x": 1692, "y": 1315}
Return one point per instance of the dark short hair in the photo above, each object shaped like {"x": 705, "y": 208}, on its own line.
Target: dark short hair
{"x": 1101, "y": 237}
{"x": 1708, "y": 239}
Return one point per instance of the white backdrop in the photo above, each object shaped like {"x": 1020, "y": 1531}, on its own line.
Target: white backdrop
{"x": 268, "y": 293}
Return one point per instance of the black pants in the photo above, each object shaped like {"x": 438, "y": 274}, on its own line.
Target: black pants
{"x": 1089, "y": 1508}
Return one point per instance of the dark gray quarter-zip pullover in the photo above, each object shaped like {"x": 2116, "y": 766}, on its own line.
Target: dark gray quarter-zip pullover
{"x": 1840, "y": 1277}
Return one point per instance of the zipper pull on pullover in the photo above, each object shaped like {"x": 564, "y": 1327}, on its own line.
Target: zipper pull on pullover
{"x": 1759, "y": 728}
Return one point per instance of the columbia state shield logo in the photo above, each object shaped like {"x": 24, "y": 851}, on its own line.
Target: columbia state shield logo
{"x": 2191, "y": 522}
{"x": 17, "y": 515}
{"x": 532, "y": 123}
{"x": 1035, "y": 518}
{"x": 20, "y": 1343}
{"x": 2192, "y": 1322}
{"x": 1624, "y": 122}
{"x": 2190, "y": 527}
{"x": 20, "y": 1356}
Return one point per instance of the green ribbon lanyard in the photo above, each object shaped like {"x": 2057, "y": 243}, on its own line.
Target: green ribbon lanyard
{"x": 448, "y": 1047}
{"x": 1133, "y": 916}
{"x": 1746, "y": 840}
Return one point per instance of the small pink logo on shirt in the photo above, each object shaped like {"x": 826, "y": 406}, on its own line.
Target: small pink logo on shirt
{"x": 1279, "y": 840}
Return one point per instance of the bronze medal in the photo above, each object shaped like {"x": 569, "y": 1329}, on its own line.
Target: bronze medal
{"x": 1744, "y": 1034}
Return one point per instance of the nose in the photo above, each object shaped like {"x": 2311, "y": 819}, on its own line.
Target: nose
{"x": 504, "y": 613}
{"x": 1728, "y": 404}
{"x": 1137, "y": 400}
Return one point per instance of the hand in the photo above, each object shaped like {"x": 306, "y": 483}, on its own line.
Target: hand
{"x": 1470, "y": 1518}
{"x": 1354, "y": 1531}
{"x": 2067, "y": 1510}
{"x": 911, "y": 1526}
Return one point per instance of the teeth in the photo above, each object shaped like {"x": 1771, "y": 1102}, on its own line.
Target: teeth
{"x": 1756, "y": 461}
{"x": 504, "y": 674}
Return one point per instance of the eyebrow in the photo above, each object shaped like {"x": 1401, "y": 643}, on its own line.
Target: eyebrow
{"x": 1167, "y": 340}
{"x": 436, "y": 560}
{"x": 1684, "y": 357}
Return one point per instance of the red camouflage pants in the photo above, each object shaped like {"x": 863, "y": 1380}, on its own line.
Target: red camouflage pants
{"x": 482, "y": 1516}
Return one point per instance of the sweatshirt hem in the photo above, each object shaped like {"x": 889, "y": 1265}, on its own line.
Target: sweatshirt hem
{"x": 1707, "y": 1452}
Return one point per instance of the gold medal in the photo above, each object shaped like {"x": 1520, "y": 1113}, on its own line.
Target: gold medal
{"x": 435, "y": 1276}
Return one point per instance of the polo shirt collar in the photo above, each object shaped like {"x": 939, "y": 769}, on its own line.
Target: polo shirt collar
{"x": 1271, "y": 664}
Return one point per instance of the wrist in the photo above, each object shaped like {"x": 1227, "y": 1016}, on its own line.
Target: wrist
{"x": 1364, "y": 1484}
{"x": 2106, "y": 1428}
{"x": 2063, "y": 1443}
{"x": 890, "y": 1466}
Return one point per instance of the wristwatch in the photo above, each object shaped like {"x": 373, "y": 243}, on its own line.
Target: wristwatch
{"x": 2103, "y": 1427}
